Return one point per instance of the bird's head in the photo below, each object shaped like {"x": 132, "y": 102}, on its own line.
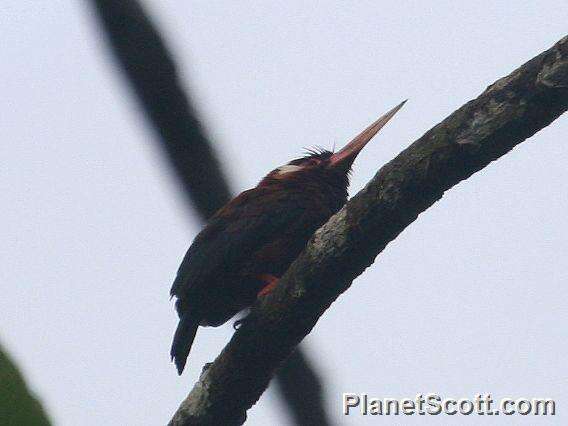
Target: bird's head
{"x": 322, "y": 166}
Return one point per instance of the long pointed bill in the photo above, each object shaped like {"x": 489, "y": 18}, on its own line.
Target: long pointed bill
{"x": 349, "y": 152}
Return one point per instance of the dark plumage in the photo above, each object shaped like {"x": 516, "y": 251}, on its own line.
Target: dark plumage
{"x": 250, "y": 242}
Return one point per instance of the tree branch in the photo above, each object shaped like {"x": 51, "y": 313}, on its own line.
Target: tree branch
{"x": 507, "y": 113}
{"x": 302, "y": 390}
{"x": 151, "y": 72}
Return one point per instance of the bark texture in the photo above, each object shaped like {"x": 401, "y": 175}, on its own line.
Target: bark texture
{"x": 504, "y": 115}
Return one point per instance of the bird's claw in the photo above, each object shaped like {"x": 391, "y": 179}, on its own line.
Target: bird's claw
{"x": 237, "y": 324}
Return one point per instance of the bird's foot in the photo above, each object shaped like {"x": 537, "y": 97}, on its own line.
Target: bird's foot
{"x": 237, "y": 324}
{"x": 270, "y": 281}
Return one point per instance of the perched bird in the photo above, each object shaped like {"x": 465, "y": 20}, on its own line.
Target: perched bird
{"x": 250, "y": 242}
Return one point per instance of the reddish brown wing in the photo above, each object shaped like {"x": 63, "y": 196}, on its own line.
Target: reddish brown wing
{"x": 232, "y": 236}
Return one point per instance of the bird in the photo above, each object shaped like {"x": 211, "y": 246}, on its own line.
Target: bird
{"x": 248, "y": 244}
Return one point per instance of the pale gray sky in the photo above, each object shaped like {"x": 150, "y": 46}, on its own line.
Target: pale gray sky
{"x": 470, "y": 299}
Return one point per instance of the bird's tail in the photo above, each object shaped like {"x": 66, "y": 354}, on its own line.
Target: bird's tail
{"x": 183, "y": 339}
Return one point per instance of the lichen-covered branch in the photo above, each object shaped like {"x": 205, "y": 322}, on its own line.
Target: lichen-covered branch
{"x": 504, "y": 115}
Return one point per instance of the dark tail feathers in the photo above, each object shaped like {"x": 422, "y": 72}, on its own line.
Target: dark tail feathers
{"x": 183, "y": 338}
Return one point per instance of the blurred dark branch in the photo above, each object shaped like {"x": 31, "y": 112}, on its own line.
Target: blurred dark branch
{"x": 302, "y": 391}
{"x": 151, "y": 71}
{"x": 481, "y": 131}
